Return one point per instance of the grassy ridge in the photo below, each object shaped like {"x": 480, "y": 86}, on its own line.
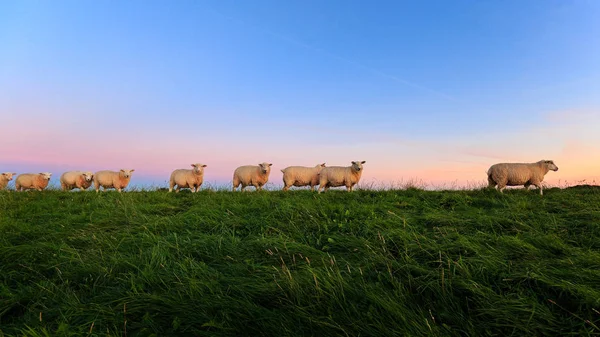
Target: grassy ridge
{"x": 364, "y": 263}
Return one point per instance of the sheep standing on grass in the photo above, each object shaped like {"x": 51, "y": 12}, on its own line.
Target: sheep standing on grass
{"x": 334, "y": 176}
{"x": 301, "y": 176}
{"x": 516, "y": 174}
{"x": 5, "y": 178}
{"x": 111, "y": 179}
{"x": 32, "y": 181}
{"x": 256, "y": 176}
{"x": 76, "y": 179}
{"x": 191, "y": 179}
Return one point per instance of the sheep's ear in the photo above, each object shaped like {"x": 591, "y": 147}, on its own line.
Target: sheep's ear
{"x": 14, "y": 173}
{"x": 42, "y": 173}
{"x": 193, "y": 165}
{"x": 203, "y": 165}
{"x": 122, "y": 170}
{"x": 354, "y": 162}
{"x": 364, "y": 161}
{"x": 3, "y": 174}
{"x": 323, "y": 164}
{"x": 270, "y": 164}
{"x": 132, "y": 170}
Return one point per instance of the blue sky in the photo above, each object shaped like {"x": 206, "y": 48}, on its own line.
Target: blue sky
{"x": 435, "y": 90}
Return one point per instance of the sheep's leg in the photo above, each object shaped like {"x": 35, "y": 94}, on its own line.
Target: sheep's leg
{"x": 349, "y": 188}
{"x": 323, "y": 187}
{"x": 491, "y": 182}
{"x": 539, "y": 185}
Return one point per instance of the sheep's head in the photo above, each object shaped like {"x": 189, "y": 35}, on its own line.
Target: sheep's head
{"x": 320, "y": 167}
{"x": 8, "y": 175}
{"x": 197, "y": 168}
{"x": 550, "y": 165}
{"x": 357, "y": 165}
{"x": 87, "y": 176}
{"x": 126, "y": 173}
{"x": 265, "y": 168}
{"x": 46, "y": 175}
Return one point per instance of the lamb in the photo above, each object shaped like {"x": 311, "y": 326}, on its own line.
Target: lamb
{"x": 256, "y": 176}
{"x": 111, "y": 179}
{"x": 32, "y": 181}
{"x": 76, "y": 179}
{"x": 334, "y": 176}
{"x": 5, "y": 178}
{"x": 516, "y": 174}
{"x": 301, "y": 176}
{"x": 191, "y": 179}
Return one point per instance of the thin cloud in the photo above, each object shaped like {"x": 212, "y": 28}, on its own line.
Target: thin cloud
{"x": 338, "y": 57}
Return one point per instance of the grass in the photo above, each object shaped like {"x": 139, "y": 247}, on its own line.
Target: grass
{"x": 370, "y": 263}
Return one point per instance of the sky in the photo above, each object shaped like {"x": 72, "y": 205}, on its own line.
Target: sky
{"x": 433, "y": 91}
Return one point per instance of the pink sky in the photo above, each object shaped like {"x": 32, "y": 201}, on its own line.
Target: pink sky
{"x": 569, "y": 138}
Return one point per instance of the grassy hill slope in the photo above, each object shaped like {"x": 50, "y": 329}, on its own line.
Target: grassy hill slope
{"x": 364, "y": 263}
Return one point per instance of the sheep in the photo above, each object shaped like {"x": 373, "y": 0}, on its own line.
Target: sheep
{"x": 5, "y": 178}
{"x": 76, "y": 179}
{"x": 301, "y": 176}
{"x": 191, "y": 179}
{"x": 111, "y": 179}
{"x": 32, "y": 181}
{"x": 256, "y": 176}
{"x": 516, "y": 174}
{"x": 334, "y": 176}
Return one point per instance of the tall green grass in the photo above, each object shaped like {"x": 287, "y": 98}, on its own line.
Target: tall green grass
{"x": 385, "y": 263}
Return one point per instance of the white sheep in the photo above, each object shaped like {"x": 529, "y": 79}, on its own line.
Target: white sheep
{"x": 112, "y": 179}
{"x": 256, "y": 176}
{"x": 184, "y": 178}
{"x": 334, "y": 176}
{"x": 517, "y": 174}
{"x": 301, "y": 176}
{"x": 76, "y": 179}
{"x": 5, "y": 178}
{"x": 32, "y": 181}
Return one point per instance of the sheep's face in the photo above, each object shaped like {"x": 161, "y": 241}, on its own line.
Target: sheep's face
{"x": 8, "y": 175}
{"x": 551, "y": 166}
{"x": 265, "y": 167}
{"x": 46, "y": 175}
{"x": 197, "y": 168}
{"x": 126, "y": 173}
{"x": 320, "y": 167}
{"x": 357, "y": 165}
{"x": 88, "y": 176}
